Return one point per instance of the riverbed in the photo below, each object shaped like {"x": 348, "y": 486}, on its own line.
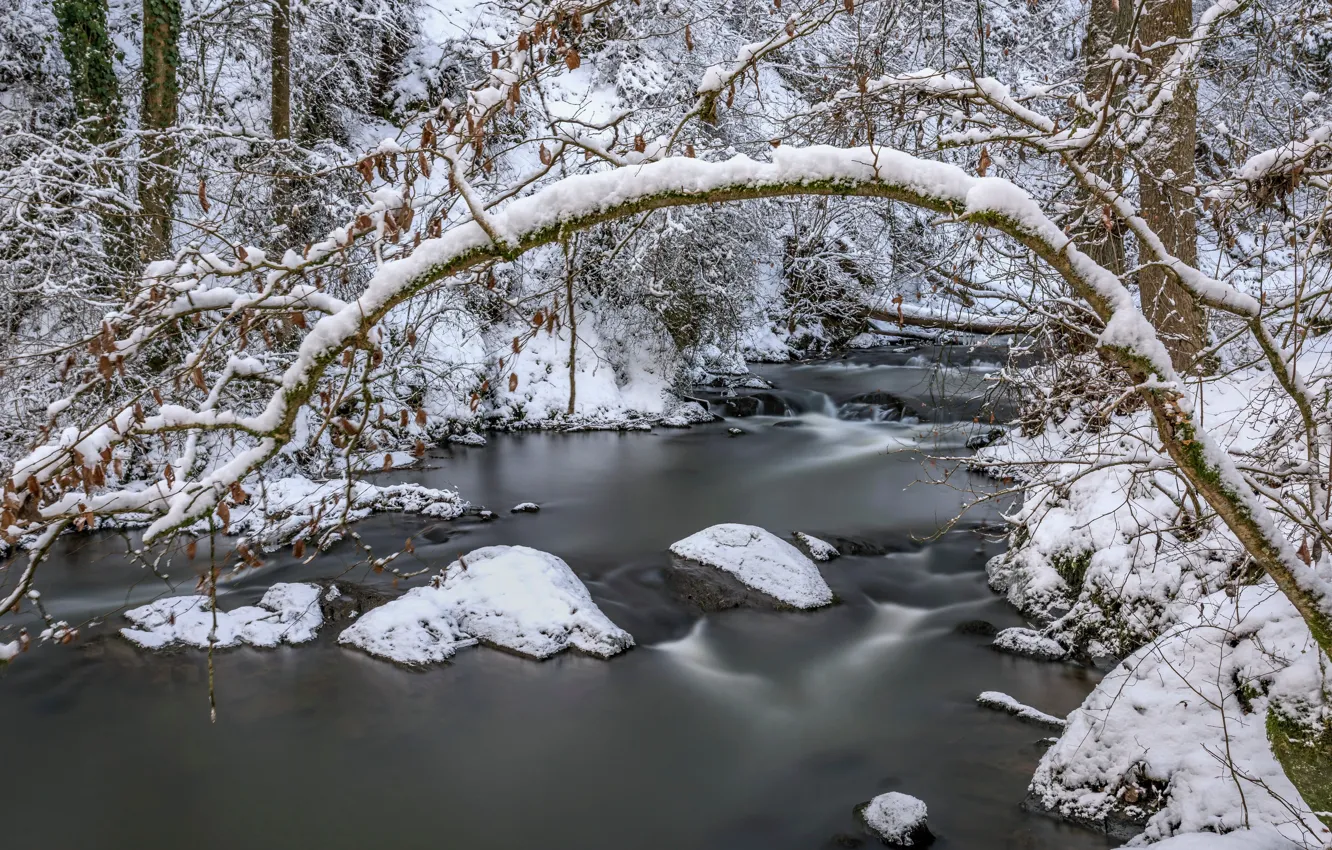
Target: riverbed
{"x": 736, "y": 729}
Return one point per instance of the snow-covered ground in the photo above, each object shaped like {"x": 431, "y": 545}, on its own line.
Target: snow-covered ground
{"x": 1110, "y": 556}
{"x": 512, "y": 597}
{"x": 1176, "y": 734}
{"x": 288, "y": 613}
{"x": 760, "y": 560}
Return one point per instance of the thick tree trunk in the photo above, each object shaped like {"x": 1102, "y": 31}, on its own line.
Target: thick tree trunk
{"x": 1166, "y": 207}
{"x": 280, "y": 61}
{"x": 1108, "y": 23}
{"x": 87, "y": 48}
{"x": 157, "y": 114}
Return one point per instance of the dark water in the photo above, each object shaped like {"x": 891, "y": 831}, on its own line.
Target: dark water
{"x": 741, "y": 729}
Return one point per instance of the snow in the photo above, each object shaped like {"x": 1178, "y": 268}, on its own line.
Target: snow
{"x": 1171, "y": 714}
{"x": 471, "y": 438}
{"x": 760, "y": 560}
{"x": 525, "y": 508}
{"x": 1261, "y": 837}
{"x": 286, "y": 509}
{"x": 819, "y": 550}
{"x": 1028, "y": 642}
{"x": 288, "y": 613}
{"x": 416, "y": 628}
{"x": 898, "y": 818}
{"x": 511, "y": 597}
{"x": 8, "y": 651}
{"x": 1005, "y": 703}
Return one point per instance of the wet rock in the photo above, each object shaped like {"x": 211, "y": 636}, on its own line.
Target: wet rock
{"x": 981, "y": 628}
{"x": 759, "y": 559}
{"x": 899, "y": 819}
{"x": 989, "y": 438}
{"x": 818, "y": 550}
{"x": 344, "y": 601}
{"x": 713, "y": 590}
{"x": 1029, "y": 643}
{"x": 735, "y": 432}
{"x": 875, "y": 407}
{"x": 741, "y": 406}
{"x": 843, "y": 839}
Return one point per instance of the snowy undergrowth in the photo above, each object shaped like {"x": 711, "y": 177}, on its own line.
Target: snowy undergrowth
{"x": 1108, "y": 547}
{"x": 1113, "y": 559}
{"x": 1175, "y": 737}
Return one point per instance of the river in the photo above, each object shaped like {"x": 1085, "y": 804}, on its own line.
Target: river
{"x": 730, "y": 730}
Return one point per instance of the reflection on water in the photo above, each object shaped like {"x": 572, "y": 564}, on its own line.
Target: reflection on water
{"x": 740, "y": 729}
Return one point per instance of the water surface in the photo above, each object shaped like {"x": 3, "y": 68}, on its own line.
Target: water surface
{"x": 729, "y": 730}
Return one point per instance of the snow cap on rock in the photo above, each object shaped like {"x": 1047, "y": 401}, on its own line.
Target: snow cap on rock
{"x": 899, "y": 819}
{"x": 760, "y": 560}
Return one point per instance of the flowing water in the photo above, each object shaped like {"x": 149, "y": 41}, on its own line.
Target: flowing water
{"x": 737, "y": 729}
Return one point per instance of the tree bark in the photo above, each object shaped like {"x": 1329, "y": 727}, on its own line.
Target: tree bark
{"x": 1166, "y": 208}
{"x": 1108, "y": 23}
{"x": 280, "y": 61}
{"x": 157, "y": 116}
{"x": 86, "y": 45}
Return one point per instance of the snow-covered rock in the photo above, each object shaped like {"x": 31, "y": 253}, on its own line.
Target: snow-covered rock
{"x": 899, "y": 819}
{"x": 819, "y": 550}
{"x": 1175, "y": 737}
{"x": 525, "y": 508}
{"x": 416, "y": 628}
{"x": 8, "y": 651}
{"x": 687, "y": 414}
{"x": 512, "y": 597}
{"x": 760, "y": 560}
{"x": 288, "y": 613}
{"x": 470, "y": 438}
{"x": 1029, "y": 642}
{"x": 1007, "y": 704}
{"x": 289, "y": 508}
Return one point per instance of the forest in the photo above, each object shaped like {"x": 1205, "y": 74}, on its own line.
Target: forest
{"x": 900, "y": 380}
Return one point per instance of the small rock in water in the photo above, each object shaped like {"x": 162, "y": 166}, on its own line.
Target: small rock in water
{"x": 688, "y": 414}
{"x": 525, "y": 508}
{"x": 735, "y": 432}
{"x": 989, "y": 438}
{"x": 1005, "y": 703}
{"x": 471, "y": 438}
{"x": 819, "y": 550}
{"x": 1030, "y": 643}
{"x": 899, "y": 819}
{"x": 983, "y": 628}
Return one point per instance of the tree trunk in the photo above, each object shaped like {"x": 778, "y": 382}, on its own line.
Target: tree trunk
{"x": 161, "y": 96}
{"x": 87, "y": 48}
{"x": 1108, "y": 23}
{"x": 280, "y": 61}
{"x": 1166, "y": 208}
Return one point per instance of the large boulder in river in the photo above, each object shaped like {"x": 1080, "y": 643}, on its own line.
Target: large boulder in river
{"x": 760, "y": 560}
{"x": 899, "y": 819}
{"x": 510, "y": 597}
